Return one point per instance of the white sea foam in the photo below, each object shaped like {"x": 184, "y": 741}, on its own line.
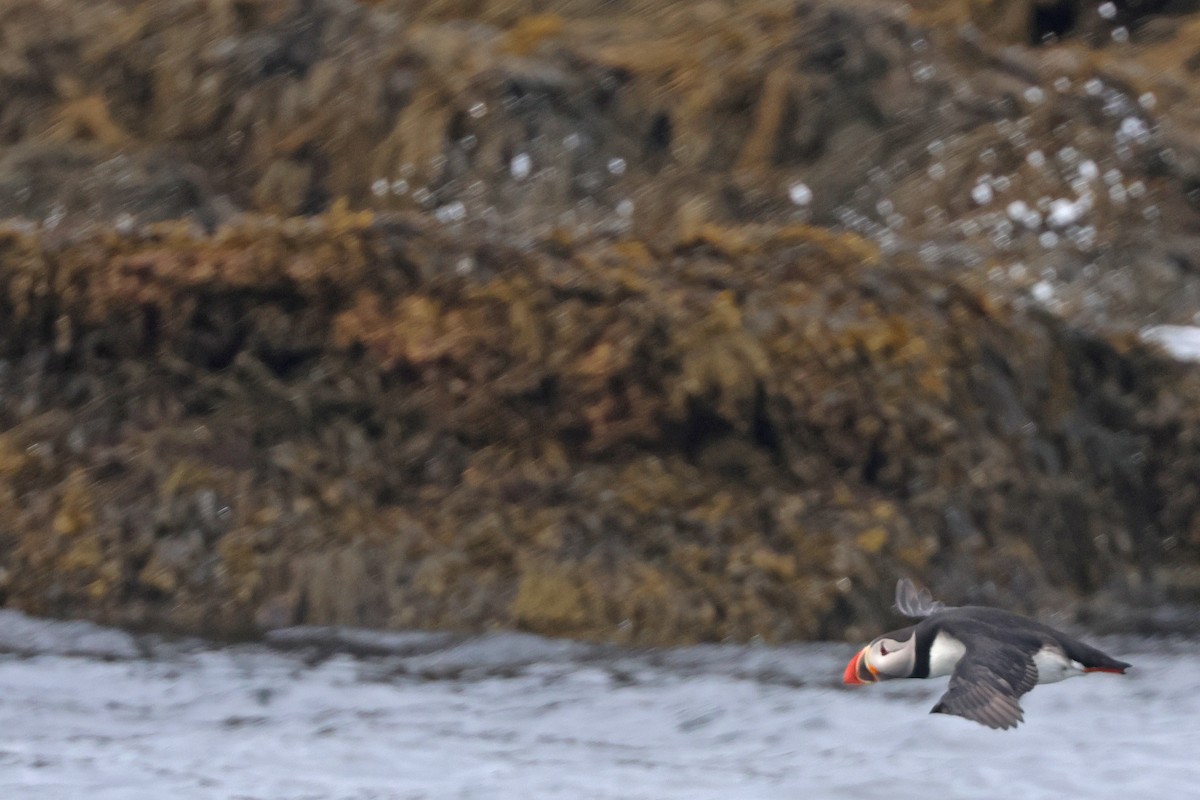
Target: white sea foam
{"x": 514, "y": 716}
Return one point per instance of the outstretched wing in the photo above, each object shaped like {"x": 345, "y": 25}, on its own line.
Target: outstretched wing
{"x": 913, "y": 603}
{"x": 987, "y": 683}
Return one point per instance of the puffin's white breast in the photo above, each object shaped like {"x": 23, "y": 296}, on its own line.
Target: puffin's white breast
{"x": 944, "y": 654}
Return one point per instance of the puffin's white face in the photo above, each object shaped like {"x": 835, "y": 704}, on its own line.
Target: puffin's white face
{"x": 892, "y": 655}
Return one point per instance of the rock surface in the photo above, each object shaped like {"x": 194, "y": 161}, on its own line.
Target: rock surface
{"x": 651, "y": 322}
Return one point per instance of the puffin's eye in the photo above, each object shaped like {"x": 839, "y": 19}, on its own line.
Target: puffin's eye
{"x": 883, "y": 651}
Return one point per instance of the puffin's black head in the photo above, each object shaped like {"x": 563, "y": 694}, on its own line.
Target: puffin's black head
{"x": 892, "y": 655}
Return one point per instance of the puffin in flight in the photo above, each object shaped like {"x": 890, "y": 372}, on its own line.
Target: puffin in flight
{"x": 992, "y": 656}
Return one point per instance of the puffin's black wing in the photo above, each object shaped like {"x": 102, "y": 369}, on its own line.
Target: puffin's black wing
{"x": 989, "y": 679}
{"x": 913, "y": 603}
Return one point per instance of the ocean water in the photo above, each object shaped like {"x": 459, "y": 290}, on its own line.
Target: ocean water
{"x": 88, "y": 712}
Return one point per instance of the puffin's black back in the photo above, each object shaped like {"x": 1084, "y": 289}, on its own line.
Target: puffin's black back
{"x": 1027, "y": 634}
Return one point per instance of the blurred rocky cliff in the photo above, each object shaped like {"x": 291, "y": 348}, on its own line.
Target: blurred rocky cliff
{"x": 638, "y": 320}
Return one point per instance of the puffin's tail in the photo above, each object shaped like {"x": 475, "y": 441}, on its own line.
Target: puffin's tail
{"x": 1094, "y": 660}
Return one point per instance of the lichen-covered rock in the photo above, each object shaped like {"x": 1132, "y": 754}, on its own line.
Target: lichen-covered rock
{"x": 649, "y": 321}
{"x": 326, "y": 420}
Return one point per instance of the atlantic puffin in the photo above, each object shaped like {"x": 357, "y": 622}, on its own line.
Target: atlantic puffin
{"x": 992, "y": 656}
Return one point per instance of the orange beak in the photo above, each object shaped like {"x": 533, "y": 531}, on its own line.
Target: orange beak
{"x": 859, "y": 670}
